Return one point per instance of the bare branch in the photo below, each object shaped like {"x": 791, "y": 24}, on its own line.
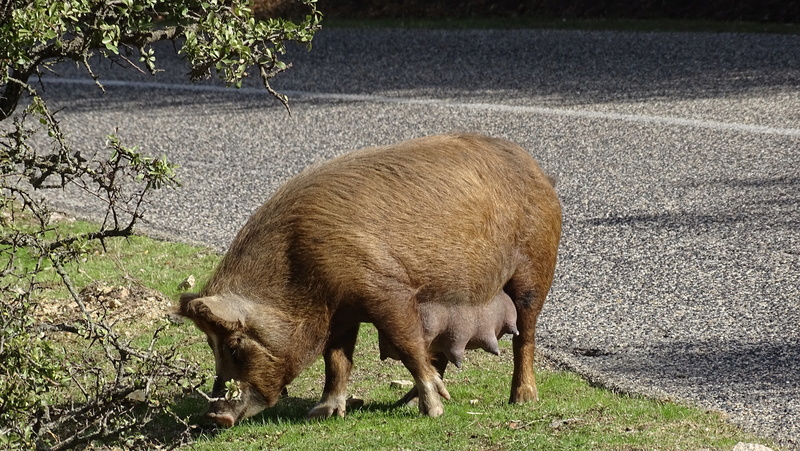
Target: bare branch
{"x": 16, "y": 85}
{"x": 266, "y": 77}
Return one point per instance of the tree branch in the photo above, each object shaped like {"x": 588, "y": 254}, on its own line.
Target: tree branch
{"x": 16, "y": 85}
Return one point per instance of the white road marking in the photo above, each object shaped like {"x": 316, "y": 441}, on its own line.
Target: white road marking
{"x": 563, "y": 112}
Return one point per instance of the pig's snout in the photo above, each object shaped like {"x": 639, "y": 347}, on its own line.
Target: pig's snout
{"x": 223, "y": 413}
{"x": 227, "y": 412}
{"x": 225, "y": 420}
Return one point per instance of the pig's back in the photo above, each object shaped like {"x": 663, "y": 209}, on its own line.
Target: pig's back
{"x": 443, "y": 215}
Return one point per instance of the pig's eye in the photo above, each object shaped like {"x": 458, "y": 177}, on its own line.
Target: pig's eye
{"x": 235, "y": 348}
{"x": 233, "y": 343}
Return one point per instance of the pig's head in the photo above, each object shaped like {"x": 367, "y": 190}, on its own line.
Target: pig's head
{"x": 251, "y": 353}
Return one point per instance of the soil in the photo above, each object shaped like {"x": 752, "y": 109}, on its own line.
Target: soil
{"x": 118, "y": 304}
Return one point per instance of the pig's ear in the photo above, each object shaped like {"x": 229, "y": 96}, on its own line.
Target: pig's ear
{"x": 230, "y": 313}
{"x": 185, "y": 308}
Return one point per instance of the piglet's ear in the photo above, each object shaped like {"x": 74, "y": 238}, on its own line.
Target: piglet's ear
{"x": 228, "y": 312}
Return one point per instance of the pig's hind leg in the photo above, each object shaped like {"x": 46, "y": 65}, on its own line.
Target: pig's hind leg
{"x": 527, "y": 288}
{"x": 338, "y": 357}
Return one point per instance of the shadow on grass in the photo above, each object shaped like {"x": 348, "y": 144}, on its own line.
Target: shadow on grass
{"x": 293, "y": 410}
{"x": 288, "y": 411}
{"x": 161, "y": 430}
{"x": 167, "y": 430}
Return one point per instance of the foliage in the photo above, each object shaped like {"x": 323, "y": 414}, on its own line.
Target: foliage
{"x": 51, "y": 398}
{"x": 23, "y": 394}
{"x": 219, "y": 36}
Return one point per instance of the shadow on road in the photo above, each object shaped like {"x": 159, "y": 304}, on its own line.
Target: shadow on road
{"x": 551, "y": 67}
{"x": 568, "y": 66}
{"x": 762, "y": 204}
{"x": 739, "y": 363}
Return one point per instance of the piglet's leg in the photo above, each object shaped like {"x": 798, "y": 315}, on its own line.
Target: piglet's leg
{"x": 398, "y": 320}
{"x": 338, "y": 357}
{"x": 440, "y": 363}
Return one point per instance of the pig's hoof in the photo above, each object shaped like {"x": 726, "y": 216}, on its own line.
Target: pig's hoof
{"x": 430, "y": 402}
{"x": 523, "y": 394}
{"x": 432, "y": 410}
{"x": 326, "y": 410}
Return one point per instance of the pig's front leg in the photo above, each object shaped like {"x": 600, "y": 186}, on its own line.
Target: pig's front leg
{"x": 403, "y": 330}
{"x": 338, "y": 357}
{"x": 440, "y": 363}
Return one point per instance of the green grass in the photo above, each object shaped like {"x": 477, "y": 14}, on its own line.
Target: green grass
{"x": 507, "y": 23}
{"x": 156, "y": 264}
{"x": 570, "y": 415}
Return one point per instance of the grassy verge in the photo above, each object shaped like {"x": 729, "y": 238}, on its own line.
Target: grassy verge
{"x": 508, "y": 23}
{"x": 159, "y": 265}
{"x": 570, "y": 415}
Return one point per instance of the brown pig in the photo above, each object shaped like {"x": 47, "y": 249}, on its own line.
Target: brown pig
{"x": 374, "y": 236}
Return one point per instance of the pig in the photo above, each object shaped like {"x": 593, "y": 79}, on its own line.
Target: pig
{"x": 381, "y": 235}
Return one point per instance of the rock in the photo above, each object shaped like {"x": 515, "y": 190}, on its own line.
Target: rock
{"x": 558, "y": 424}
{"x": 137, "y": 396}
{"x": 401, "y": 384}
{"x": 187, "y": 284}
{"x": 742, "y": 446}
{"x": 174, "y": 318}
{"x": 354, "y": 403}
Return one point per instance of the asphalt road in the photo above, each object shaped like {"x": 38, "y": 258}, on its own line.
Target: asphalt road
{"x": 678, "y": 164}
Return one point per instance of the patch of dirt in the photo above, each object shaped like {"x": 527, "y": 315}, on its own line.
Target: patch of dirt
{"x": 118, "y": 304}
